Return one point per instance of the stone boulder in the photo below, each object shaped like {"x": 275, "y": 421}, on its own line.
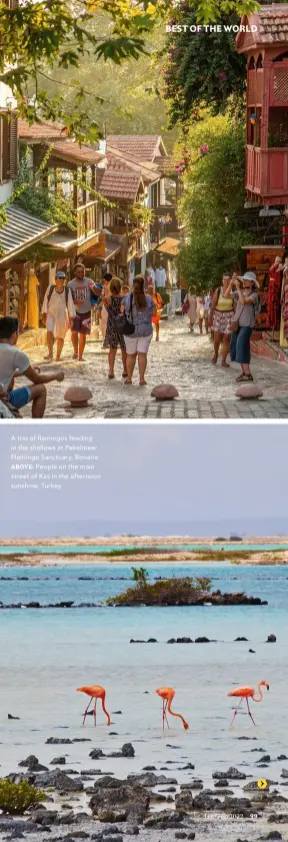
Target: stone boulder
{"x": 164, "y": 392}
{"x": 78, "y": 396}
{"x": 250, "y": 391}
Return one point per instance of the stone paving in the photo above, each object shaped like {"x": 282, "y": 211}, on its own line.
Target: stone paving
{"x": 181, "y": 358}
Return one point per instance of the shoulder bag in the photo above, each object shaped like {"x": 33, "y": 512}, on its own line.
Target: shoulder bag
{"x": 124, "y": 323}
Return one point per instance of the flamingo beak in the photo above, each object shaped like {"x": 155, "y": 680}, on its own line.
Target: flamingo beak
{"x": 267, "y": 686}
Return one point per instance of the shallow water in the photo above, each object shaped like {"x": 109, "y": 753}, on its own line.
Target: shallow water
{"x": 46, "y": 654}
{"x": 98, "y": 549}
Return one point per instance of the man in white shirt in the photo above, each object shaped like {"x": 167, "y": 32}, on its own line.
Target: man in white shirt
{"x": 14, "y": 363}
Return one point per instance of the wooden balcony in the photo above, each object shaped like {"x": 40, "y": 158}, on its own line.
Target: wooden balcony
{"x": 88, "y": 222}
{"x": 134, "y": 245}
{"x": 165, "y": 211}
{"x": 267, "y": 174}
{"x": 157, "y": 232}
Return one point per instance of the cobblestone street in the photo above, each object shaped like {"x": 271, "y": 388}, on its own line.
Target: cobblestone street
{"x": 180, "y": 358}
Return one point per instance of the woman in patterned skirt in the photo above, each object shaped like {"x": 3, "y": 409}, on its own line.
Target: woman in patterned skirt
{"x": 112, "y": 303}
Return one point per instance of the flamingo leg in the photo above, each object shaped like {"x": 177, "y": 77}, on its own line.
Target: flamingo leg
{"x": 86, "y": 711}
{"x": 95, "y": 712}
{"x": 165, "y": 714}
{"x": 236, "y": 711}
{"x": 249, "y": 712}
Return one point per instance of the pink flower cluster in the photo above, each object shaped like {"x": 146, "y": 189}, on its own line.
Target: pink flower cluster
{"x": 221, "y": 75}
{"x": 204, "y": 149}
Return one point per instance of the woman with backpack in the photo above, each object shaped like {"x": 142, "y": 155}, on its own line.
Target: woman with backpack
{"x": 243, "y": 323}
{"x": 58, "y": 312}
{"x": 221, "y": 316}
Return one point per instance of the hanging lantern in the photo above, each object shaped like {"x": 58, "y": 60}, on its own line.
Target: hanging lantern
{"x": 253, "y": 119}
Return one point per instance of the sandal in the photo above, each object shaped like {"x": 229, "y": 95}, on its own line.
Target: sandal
{"x": 143, "y": 383}
{"x": 111, "y": 376}
{"x": 127, "y": 382}
{"x": 225, "y": 365}
{"x": 244, "y": 378}
{"x": 214, "y": 360}
{"x": 125, "y": 374}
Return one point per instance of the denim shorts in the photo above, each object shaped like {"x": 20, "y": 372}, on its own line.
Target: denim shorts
{"x": 240, "y": 346}
{"x": 19, "y": 397}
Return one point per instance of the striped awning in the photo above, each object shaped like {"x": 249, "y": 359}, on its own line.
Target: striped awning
{"x": 21, "y": 231}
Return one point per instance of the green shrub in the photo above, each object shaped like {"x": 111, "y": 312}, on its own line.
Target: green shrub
{"x": 140, "y": 575}
{"x": 16, "y": 798}
{"x": 176, "y": 591}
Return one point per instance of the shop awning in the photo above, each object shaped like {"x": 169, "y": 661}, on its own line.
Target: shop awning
{"x": 21, "y": 231}
{"x": 170, "y": 246}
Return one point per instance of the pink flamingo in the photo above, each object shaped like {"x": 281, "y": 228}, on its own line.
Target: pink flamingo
{"x": 247, "y": 693}
{"x": 95, "y": 692}
{"x": 167, "y": 695}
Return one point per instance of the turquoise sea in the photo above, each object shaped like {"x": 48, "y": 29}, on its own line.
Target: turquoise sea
{"x": 46, "y": 654}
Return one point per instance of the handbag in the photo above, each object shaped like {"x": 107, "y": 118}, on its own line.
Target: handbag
{"x": 123, "y": 323}
{"x": 185, "y": 307}
{"x": 235, "y": 322}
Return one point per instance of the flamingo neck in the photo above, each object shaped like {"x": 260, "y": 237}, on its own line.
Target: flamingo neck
{"x": 260, "y": 695}
{"x": 175, "y": 714}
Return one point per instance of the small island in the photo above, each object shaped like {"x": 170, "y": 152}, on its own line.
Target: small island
{"x": 186, "y": 590}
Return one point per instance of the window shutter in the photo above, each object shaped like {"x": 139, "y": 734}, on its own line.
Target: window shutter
{"x": 13, "y": 146}
{"x": 14, "y": 4}
{"x": 6, "y": 148}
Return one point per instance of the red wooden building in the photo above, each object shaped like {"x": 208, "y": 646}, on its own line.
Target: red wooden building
{"x": 267, "y": 104}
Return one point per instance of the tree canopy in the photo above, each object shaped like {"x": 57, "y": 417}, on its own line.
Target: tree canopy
{"x": 202, "y": 68}
{"x": 40, "y": 37}
{"x": 213, "y": 201}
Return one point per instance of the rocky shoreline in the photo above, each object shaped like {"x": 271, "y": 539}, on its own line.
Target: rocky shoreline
{"x": 93, "y": 804}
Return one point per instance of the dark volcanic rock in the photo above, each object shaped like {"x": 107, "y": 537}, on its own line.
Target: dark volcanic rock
{"x": 127, "y": 800}
{"x": 232, "y": 773}
{"x": 96, "y": 753}
{"x": 57, "y": 741}
{"x": 164, "y": 819}
{"x": 33, "y": 764}
{"x": 13, "y": 717}
{"x": 202, "y": 640}
{"x": 241, "y": 639}
{"x": 150, "y": 779}
{"x": 66, "y": 784}
{"x": 58, "y": 761}
{"x": 184, "y": 801}
{"x": 271, "y": 638}
{"x": 221, "y": 783}
{"x": 128, "y": 750}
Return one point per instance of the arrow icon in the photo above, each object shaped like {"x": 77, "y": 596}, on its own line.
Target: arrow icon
{"x": 262, "y": 783}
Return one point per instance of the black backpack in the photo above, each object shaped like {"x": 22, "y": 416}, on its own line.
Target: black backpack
{"x": 51, "y": 290}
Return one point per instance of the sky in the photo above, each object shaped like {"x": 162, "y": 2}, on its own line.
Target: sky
{"x": 200, "y": 479}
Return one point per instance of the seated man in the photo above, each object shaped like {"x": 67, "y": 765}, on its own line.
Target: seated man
{"x": 14, "y": 363}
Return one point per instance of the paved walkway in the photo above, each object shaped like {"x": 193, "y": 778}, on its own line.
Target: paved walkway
{"x": 180, "y": 358}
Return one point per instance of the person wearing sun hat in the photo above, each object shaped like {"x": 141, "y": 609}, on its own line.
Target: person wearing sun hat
{"x": 58, "y": 312}
{"x": 244, "y": 322}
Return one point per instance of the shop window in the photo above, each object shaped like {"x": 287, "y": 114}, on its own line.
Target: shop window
{"x": 259, "y": 63}
{"x": 251, "y": 65}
